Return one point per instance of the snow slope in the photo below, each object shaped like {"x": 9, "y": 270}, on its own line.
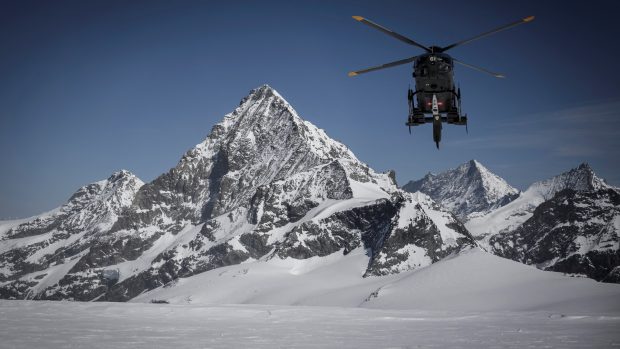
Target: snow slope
{"x": 335, "y": 280}
{"x": 472, "y": 281}
{"x": 479, "y": 281}
{"x": 507, "y": 217}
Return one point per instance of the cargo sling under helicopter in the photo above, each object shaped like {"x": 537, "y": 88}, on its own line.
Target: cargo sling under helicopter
{"x": 434, "y": 93}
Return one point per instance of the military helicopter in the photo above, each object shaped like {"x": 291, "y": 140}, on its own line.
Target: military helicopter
{"x": 434, "y": 80}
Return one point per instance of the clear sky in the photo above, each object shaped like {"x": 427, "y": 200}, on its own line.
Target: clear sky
{"x": 91, "y": 87}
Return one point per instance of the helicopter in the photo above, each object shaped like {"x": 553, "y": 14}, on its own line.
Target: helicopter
{"x": 433, "y": 71}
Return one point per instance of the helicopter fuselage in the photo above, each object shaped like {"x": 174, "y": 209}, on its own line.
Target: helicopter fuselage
{"x": 434, "y": 75}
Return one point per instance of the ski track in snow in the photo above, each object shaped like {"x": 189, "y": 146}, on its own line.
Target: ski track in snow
{"x": 35, "y": 324}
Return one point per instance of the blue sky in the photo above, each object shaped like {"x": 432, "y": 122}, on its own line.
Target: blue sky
{"x": 91, "y": 87}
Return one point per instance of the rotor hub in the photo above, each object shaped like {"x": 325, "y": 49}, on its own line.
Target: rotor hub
{"x": 436, "y": 49}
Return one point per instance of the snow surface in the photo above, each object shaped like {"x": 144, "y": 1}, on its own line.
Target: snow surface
{"x": 28, "y": 324}
{"x": 474, "y": 300}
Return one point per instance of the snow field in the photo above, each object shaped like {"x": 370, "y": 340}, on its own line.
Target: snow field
{"x": 30, "y": 324}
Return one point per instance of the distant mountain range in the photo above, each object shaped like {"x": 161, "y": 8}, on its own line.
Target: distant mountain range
{"x": 569, "y": 223}
{"x": 269, "y": 189}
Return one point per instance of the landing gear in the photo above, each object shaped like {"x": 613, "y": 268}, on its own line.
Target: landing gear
{"x": 410, "y": 100}
{"x": 453, "y": 116}
{"x": 416, "y": 117}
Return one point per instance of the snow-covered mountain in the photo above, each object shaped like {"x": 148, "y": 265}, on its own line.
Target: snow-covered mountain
{"x": 515, "y": 213}
{"x": 264, "y": 185}
{"x": 568, "y": 223}
{"x": 575, "y": 229}
{"x": 468, "y": 191}
{"x": 574, "y": 232}
{"x": 37, "y": 253}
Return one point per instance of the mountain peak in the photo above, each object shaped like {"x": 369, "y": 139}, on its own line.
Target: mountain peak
{"x": 264, "y": 117}
{"x": 580, "y": 178}
{"x": 475, "y": 166}
{"x": 120, "y": 187}
{"x": 470, "y": 188}
{"x": 263, "y": 87}
{"x": 584, "y": 166}
{"x": 476, "y": 163}
{"x": 262, "y": 140}
{"x": 264, "y": 93}
{"x": 121, "y": 175}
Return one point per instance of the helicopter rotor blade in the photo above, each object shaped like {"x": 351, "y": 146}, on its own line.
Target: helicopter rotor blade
{"x": 383, "y": 66}
{"x": 497, "y": 75}
{"x": 390, "y": 32}
{"x": 504, "y": 27}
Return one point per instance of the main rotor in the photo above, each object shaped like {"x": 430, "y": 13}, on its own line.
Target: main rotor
{"x": 433, "y": 49}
